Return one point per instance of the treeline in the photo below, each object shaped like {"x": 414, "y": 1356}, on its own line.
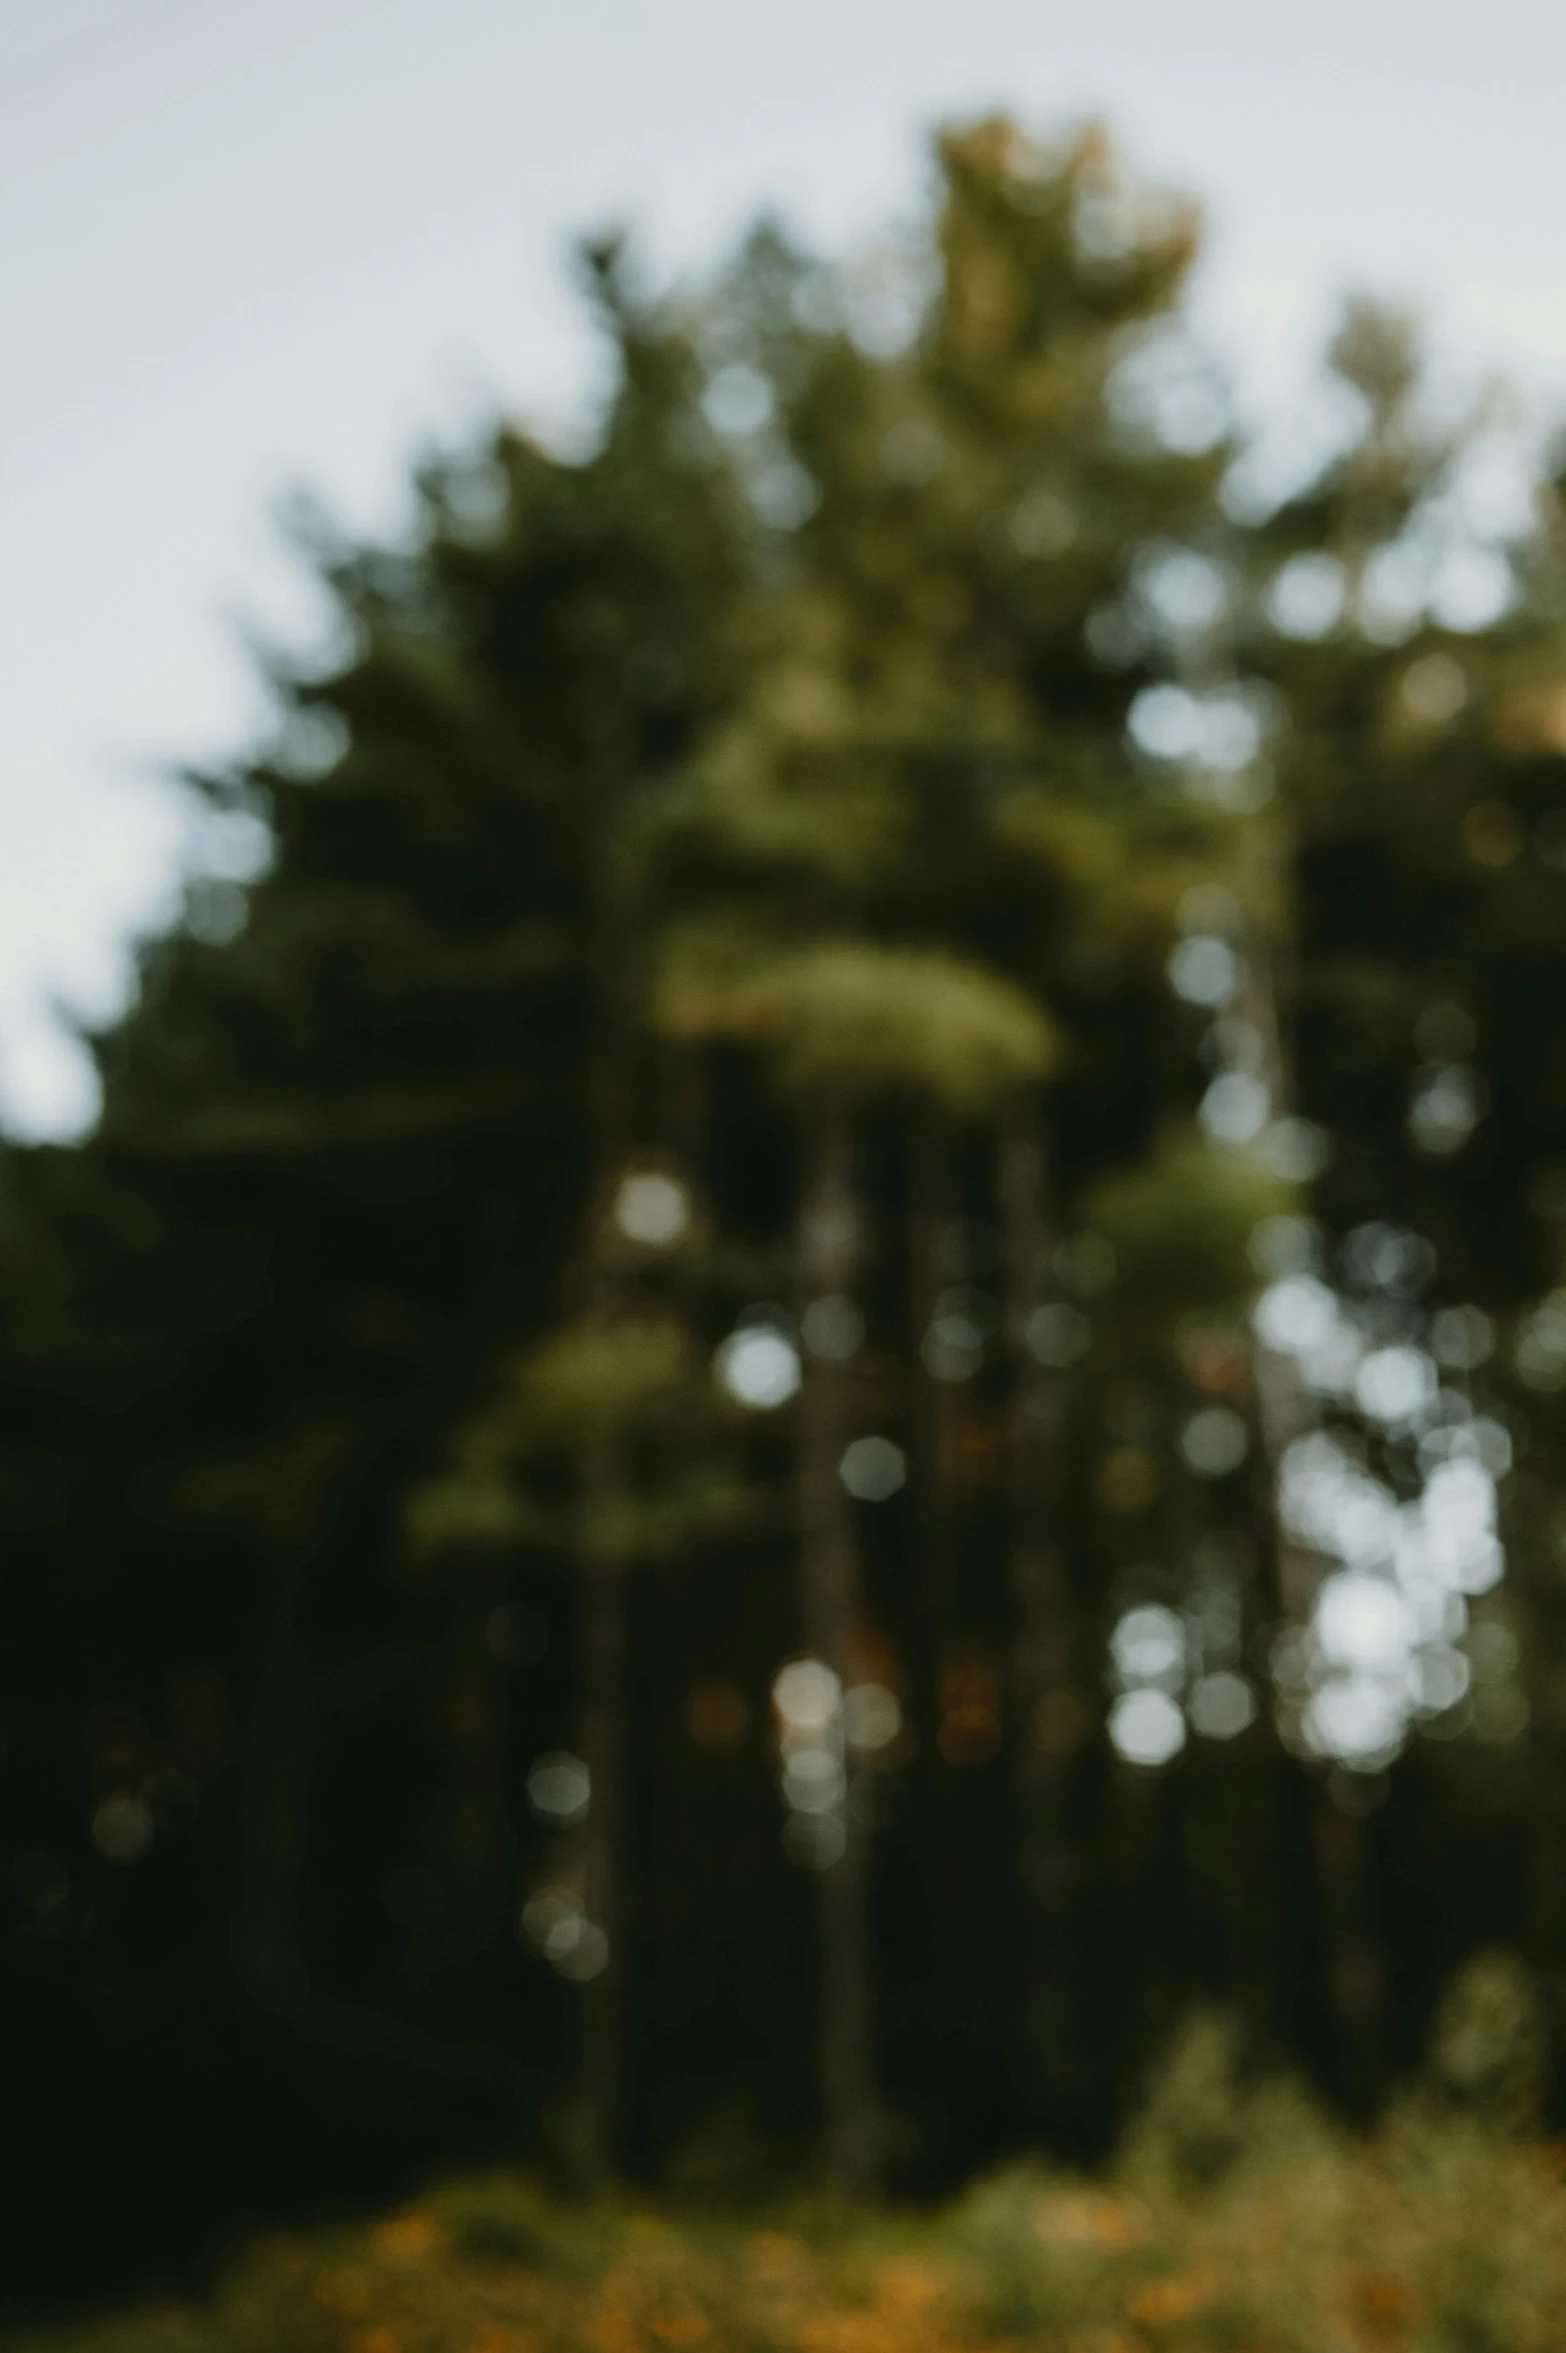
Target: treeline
{"x": 809, "y": 1359}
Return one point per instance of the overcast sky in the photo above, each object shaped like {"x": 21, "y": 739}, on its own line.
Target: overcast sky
{"x": 246, "y": 244}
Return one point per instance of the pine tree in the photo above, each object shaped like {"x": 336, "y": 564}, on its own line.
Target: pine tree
{"x": 914, "y": 855}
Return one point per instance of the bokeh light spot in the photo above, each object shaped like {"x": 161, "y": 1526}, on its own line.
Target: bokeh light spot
{"x": 559, "y": 1788}
{"x": 873, "y": 1469}
{"x": 1146, "y": 1727}
{"x": 759, "y": 1367}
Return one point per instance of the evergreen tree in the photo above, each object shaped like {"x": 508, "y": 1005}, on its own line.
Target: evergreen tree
{"x": 882, "y": 1130}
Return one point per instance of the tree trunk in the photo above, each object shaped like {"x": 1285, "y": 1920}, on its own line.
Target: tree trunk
{"x": 604, "y": 1560}
{"x": 477, "y": 1842}
{"x": 828, "y": 1251}
{"x": 603, "y": 1690}
{"x": 961, "y": 1894}
{"x": 267, "y": 1949}
{"x": 290, "y": 1492}
{"x": 1048, "y": 1712}
{"x": 1340, "y": 1853}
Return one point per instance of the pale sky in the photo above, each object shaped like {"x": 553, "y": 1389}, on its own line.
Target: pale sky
{"x": 246, "y": 244}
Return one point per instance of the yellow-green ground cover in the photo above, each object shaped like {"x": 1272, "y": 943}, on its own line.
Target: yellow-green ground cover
{"x": 1235, "y": 2222}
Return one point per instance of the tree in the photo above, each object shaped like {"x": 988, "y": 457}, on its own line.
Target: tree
{"x": 915, "y": 858}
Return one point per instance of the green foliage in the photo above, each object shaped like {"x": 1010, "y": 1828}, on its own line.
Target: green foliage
{"x": 599, "y": 1375}
{"x": 845, "y": 1018}
{"x": 1487, "y": 2054}
{"x": 1181, "y": 1224}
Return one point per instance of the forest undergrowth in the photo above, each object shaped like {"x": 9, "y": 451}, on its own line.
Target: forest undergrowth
{"x": 1238, "y": 2218}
